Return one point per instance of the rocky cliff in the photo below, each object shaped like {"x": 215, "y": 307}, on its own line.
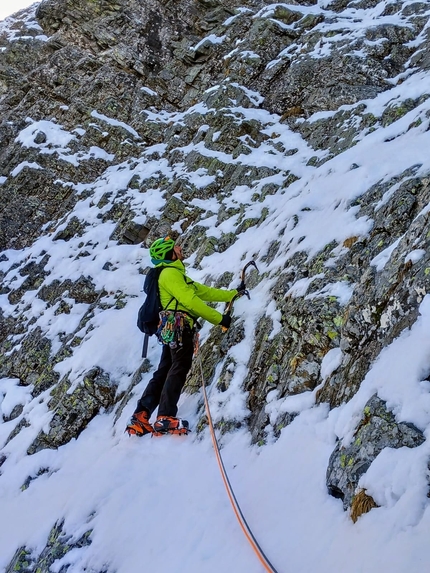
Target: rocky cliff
{"x": 292, "y": 134}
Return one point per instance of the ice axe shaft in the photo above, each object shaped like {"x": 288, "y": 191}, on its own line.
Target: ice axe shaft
{"x": 229, "y": 307}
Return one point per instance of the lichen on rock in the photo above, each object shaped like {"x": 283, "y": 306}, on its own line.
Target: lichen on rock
{"x": 378, "y": 429}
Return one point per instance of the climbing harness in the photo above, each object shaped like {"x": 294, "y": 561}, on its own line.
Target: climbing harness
{"x": 236, "y": 508}
{"x": 171, "y": 328}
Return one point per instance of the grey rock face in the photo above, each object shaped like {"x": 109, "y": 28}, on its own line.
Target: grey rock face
{"x": 386, "y": 302}
{"x": 73, "y": 412}
{"x": 32, "y": 364}
{"x": 377, "y": 430}
{"x": 58, "y": 545}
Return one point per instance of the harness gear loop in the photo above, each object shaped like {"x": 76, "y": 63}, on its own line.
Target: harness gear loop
{"x": 171, "y": 327}
{"x": 236, "y": 508}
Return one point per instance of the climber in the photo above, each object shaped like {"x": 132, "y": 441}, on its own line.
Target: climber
{"x": 182, "y": 301}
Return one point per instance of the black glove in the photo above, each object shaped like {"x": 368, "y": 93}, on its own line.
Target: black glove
{"x": 241, "y": 287}
{"x": 225, "y": 321}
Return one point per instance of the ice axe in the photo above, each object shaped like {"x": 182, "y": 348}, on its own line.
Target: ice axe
{"x": 229, "y": 308}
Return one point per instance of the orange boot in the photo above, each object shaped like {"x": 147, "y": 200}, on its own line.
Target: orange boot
{"x": 139, "y": 424}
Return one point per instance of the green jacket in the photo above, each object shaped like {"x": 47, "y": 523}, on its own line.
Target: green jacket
{"x": 188, "y": 295}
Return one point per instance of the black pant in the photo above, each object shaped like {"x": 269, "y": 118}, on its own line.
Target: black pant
{"x": 165, "y": 387}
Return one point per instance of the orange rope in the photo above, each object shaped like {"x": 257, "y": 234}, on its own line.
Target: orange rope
{"x": 238, "y": 512}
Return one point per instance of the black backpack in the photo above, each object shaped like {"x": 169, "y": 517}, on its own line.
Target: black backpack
{"x": 148, "y": 317}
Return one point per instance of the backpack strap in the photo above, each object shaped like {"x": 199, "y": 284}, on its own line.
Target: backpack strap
{"x": 176, "y": 306}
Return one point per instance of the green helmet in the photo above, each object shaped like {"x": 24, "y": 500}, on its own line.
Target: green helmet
{"x": 161, "y": 250}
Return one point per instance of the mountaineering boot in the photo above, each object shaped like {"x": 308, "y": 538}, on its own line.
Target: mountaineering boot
{"x": 170, "y": 425}
{"x": 139, "y": 424}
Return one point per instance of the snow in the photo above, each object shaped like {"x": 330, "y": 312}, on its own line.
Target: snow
{"x": 21, "y": 166}
{"x": 211, "y": 39}
{"x": 11, "y": 395}
{"x": 342, "y": 291}
{"x": 252, "y": 95}
{"x": 240, "y": 10}
{"x": 115, "y": 123}
{"x": 384, "y": 256}
{"x": 94, "y": 152}
{"x": 415, "y": 256}
{"x": 161, "y": 502}
{"x": 56, "y": 136}
{"x": 149, "y": 91}
{"x": 331, "y": 362}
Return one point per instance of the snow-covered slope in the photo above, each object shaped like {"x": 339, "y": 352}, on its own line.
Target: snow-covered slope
{"x": 331, "y": 200}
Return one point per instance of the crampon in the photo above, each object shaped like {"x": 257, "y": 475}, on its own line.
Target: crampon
{"x": 170, "y": 425}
